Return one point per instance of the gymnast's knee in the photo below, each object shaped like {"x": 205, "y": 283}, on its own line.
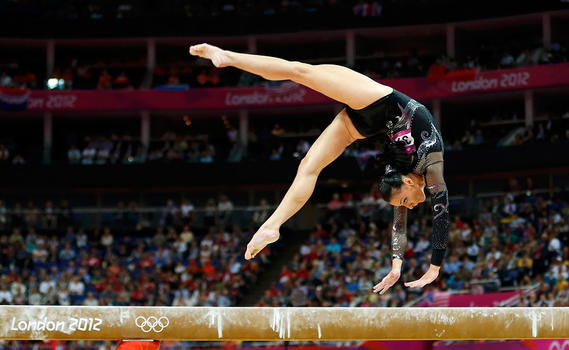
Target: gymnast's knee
{"x": 307, "y": 167}
{"x": 299, "y": 70}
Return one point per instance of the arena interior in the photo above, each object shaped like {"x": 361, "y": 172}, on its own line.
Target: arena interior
{"x": 134, "y": 174}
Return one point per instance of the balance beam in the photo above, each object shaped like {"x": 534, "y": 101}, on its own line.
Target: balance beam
{"x": 256, "y": 323}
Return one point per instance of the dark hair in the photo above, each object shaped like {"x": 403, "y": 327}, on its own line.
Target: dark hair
{"x": 393, "y": 163}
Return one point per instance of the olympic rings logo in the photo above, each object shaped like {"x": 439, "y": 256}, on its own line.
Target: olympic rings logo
{"x": 152, "y": 323}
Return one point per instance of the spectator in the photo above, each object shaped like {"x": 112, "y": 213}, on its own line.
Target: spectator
{"x": 105, "y": 80}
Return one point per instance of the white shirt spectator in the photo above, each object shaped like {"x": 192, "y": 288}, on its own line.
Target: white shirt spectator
{"x": 40, "y": 254}
{"x": 559, "y": 270}
{"x": 473, "y": 249}
{"x": 74, "y": 155}
{"x": 66, "y": 254}
{"x": 302, "y": 147}
{"x": 494, "y": 254}
{"x": 90, "y": 301}
{"x": 76, "y": 287}
{"x": 5, "y": 80}
{"x": 235, "y": 267}
{"x": 81, "y": 240}
{"x": 63, "y": 297}
{"x": 187, "y": 235}
{"x": 5, "y": 296}
{"x": 183, "y": 298}
{"x": 554, "y": 245}
{"x": 507, "y": 60}
{"x": 18, "y": 288}
{"x": 180, "y": 246}
{"x": 88, "y": 154}
{"x": 35, "y": 298}
{"x": 46, "y": 285}
{"x": 225, "y": 205}
{"x": 305, "y": 249}
{"x": 223, "y": 300}
{"x": 103, "y": 155}
{"x": 186, "y": 208}
{"x": 510, "y": 208}
{"x": 465, "y": 233}
{"x": 107, "y": 239}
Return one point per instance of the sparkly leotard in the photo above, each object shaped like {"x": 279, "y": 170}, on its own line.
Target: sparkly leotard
{"x": 404, "y": 119}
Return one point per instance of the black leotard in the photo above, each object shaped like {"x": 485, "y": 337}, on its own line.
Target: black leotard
{"x": 404, "y": 119}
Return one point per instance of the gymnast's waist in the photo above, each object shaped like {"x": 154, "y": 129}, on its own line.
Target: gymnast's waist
{"x": 373, "y": 119}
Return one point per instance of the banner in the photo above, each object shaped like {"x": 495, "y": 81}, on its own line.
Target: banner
{"x": 287, "y": 93}
{"x": 538, "y": 344}
{"x": 444, "y": 299}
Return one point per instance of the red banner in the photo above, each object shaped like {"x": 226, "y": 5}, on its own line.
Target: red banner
{"x": 445, "y": 299}
{"x": 540, "y": 344}
{"x": 288, "y": 93}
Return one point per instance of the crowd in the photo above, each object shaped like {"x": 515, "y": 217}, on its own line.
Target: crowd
{"x": 507, "y": 129}
{"x": 124, "y": 149}
{"x": 283, "y": 141}
{"x": 219, "y": 144}
{"x": 183, "y": 72}
{"x": 511, "y": 241}
{"x": 9, "y": 154}
{"x": 167, "y": 264}
{"x": 486, "y": 58}
{"x": 48, "y": 257}
{"x": 127, "y": 216}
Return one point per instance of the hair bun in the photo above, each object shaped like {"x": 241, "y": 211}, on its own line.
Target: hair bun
{"x": 394, "y": 158}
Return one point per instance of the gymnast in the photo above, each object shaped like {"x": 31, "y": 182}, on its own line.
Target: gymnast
{"x": 412, "y": 160}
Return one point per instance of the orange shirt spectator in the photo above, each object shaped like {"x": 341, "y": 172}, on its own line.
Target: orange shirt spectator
{"x": 202, "y": 78}
{"x": 214, "y": 78}
{"x": 336, "y": 203}
{"x": 121, "y": 82}
{"x": 173, "y": 80}
{"x": 104, "y": 81}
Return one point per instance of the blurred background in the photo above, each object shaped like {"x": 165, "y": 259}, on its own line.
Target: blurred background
{"x": 134, "y": 174}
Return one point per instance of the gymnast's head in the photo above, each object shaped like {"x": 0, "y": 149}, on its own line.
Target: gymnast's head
{"x": 398, "y": 185}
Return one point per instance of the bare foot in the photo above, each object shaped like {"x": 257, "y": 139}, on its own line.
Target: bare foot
{"x": 217, "y": 56}
{"x": 260, "y": 239}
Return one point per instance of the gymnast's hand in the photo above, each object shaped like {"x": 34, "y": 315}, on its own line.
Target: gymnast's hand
{"x": 390, "y": 279}
{"x": 260, "y": 239}
{"x": 218, "y": 57}
{"x": 427, "y": 278}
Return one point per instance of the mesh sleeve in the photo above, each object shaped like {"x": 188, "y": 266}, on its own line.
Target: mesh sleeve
{"x": 439, "y": 206}
{"x": 399, "y": 232}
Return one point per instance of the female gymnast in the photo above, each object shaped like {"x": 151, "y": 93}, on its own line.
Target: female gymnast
{"x": 413, "y": 158}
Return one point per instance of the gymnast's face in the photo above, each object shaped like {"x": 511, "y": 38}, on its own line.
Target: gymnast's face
{"x": 411, "y": 193}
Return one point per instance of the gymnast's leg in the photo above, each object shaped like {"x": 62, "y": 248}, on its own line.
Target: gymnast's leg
{"x": 337, "y": 82}
{"x": 329, "y": 145}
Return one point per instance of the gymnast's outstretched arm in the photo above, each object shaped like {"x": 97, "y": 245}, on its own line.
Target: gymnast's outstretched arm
{"x": 339, "y": 83}
{"x": 398, "y": 247}
{"x": 441, "y": 220}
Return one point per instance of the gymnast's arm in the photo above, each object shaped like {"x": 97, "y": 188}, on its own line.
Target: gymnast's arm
{"x": 439, "y": 202}
{"x": 398, "y": 246}
{"x": 439, "y": 205}
{"x": 399, "y": 232}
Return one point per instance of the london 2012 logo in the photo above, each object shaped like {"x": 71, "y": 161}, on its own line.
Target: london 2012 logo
{"x": 152, "y": 323}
